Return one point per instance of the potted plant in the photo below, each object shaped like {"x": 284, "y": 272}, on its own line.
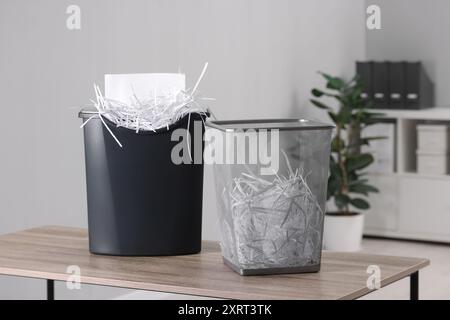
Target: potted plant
{"x": 347, "y": 184}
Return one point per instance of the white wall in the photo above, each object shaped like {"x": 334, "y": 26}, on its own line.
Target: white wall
{"x": 263, "y": 57}
{"x": 415, "y": 30}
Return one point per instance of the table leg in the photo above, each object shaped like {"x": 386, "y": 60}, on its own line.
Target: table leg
{"x": 50, "y": 289}
{"x": 414, "y": 286}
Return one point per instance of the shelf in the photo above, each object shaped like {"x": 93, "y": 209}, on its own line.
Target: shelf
{"x": 425, "y": 176}
{"x": 437, "y": 113}
{"x": 411, "y": 175}
{"x": 405, "y": 235}
{"x": 410, "y": 205}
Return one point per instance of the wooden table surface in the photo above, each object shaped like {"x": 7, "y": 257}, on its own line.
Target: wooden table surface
{"x": 46, "y": 252}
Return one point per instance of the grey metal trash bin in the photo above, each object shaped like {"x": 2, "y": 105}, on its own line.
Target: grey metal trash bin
{"x": 273, "y": 223}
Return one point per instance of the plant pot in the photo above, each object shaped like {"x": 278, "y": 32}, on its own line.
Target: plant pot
{"x": 343, "y": 232}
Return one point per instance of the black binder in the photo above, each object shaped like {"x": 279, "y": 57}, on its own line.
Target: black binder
{"x": 381, "y": 85}
{"x": 364, "y": 71}
{"x": 397, "y": 85}
{"x": 419, "y": 88}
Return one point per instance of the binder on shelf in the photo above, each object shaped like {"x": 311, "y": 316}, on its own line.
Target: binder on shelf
{"x": 364, "y": 71}
{"x": 419, "y": 88}
{"x": 381, "y": 85}
{"x": 397, "y": 85}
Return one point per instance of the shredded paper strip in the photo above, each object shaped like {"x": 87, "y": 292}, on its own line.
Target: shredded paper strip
{"x": 276, "y": 223}
{"x": 157, "y": 112}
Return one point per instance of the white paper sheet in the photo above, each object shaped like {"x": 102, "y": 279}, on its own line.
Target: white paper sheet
{"x": 122, "y": 87}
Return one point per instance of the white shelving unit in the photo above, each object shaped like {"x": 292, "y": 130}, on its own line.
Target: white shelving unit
{"x": 410, "y": 205}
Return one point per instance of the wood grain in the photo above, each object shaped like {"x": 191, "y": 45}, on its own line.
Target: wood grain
{"x": 46, "y": 252}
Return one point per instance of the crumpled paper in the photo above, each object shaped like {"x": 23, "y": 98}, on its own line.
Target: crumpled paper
{"x": 276, "y": 223}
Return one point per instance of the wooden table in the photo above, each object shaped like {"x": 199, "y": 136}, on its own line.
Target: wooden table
{"x": 46, "y": 252}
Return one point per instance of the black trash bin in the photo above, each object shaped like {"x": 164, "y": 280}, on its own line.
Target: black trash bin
{"x": 139, "y": 201}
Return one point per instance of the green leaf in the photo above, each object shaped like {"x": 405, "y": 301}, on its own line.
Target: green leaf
{"x": 358, "y": 162}
{"x": 337, "y": 144}
{"x": 360, "y": 203}
{"x": 333, "y": 186}
{"x": 332, "y": 160}
{"x": 375, "y": 138}
{"x": 333, "y": 117}
{"x": 334, "y": 83}
{"x": 317, "y": 93}
{"x": 344, "y": 115}
{"x": 355, "y": 179}
{"x": 334, "y": 180}
{"x": 362, "y": 188}
{"x": 335, "y": 171}
{"x": 355, "y": 93}
{"x": 375, "y": 114}
{"x": 319, "y": 104}
{"x": 341, "y": 200}
{"x": 370, "y": 117}
{"x": 366, "y": 141}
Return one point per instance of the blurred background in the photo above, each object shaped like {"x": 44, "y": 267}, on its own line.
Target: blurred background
{"x": 263, "y": 60}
